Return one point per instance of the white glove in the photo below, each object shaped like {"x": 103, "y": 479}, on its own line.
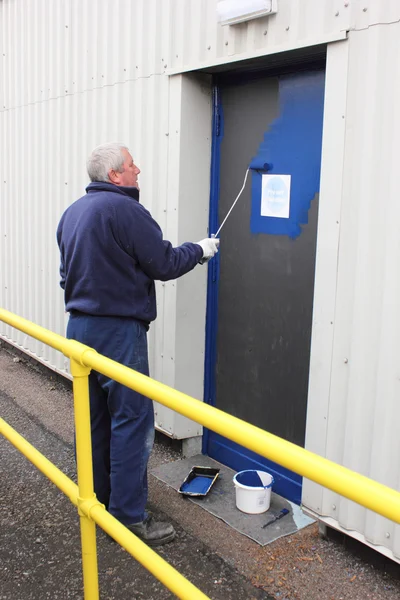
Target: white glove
{"x": 209, "y": 247}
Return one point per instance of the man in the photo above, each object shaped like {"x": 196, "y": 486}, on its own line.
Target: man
{"x": 112, "y": 251}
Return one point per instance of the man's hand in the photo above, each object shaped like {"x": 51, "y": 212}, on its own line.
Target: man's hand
{"x": 209, "y": 247}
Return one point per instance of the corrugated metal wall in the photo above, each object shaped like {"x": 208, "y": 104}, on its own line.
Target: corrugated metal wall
{"x": 362, "y": 417}
{"x": 71, "y": 80}
{"x": 46, "y": 144}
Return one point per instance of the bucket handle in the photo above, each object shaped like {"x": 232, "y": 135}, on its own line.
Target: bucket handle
{"x": 266, "y": 487}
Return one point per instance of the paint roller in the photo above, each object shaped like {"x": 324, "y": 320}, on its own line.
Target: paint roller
{"x": 254, "y": 166}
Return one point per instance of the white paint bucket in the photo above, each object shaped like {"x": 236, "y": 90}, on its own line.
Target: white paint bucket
{"x": 253, "y": 491}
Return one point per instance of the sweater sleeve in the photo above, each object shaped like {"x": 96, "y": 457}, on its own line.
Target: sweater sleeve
{"x": 143, "y": 240}
{"x": 62, "y": 264}
{"x": 62, "y": 274}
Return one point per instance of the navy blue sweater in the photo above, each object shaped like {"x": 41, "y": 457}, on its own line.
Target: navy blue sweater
{"x": 112, "y": 250}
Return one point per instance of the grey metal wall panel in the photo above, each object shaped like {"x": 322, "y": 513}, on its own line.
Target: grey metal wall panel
{"x": 360, "y": 424}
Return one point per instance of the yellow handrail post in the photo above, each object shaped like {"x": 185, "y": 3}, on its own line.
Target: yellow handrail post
{"x": 83, "y": 439}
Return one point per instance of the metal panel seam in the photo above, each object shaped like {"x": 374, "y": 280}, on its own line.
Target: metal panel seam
{"x": 78, "y": 92}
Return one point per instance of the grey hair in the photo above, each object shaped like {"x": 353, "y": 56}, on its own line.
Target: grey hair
{"x": 105, "y": 158}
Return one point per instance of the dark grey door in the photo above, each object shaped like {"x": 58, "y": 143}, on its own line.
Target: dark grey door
{"x": 266, "y": 264}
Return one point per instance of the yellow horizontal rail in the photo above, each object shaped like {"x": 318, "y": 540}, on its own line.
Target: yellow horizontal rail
{"x": 169, "y": 576}
{"x": 366, "y": 492}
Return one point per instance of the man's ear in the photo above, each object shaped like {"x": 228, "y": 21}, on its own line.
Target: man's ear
{"x": 113, "y": 176}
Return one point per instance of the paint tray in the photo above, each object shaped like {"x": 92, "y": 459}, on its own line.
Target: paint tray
{"x": 199, "y": 481}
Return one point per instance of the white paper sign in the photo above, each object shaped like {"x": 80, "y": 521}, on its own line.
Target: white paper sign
{"x": 275, "y": 196}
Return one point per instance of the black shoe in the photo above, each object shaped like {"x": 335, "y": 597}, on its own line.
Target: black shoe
{"x": 154, "y": 533}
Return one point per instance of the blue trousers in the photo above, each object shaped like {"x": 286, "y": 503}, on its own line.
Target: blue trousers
{"x": 122, "y": 421}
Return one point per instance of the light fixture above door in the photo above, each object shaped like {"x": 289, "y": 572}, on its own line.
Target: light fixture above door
{"x": 231, "y": 12}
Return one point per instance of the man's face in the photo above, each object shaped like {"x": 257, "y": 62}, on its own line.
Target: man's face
{"x": 129, "y": 174}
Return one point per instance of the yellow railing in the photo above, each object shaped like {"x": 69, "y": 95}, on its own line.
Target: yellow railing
{"x": 366, "y": 492}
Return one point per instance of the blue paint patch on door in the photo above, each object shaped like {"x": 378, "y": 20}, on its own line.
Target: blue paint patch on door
{"x": 291, "y": 146}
